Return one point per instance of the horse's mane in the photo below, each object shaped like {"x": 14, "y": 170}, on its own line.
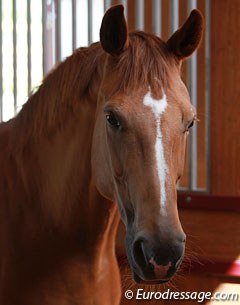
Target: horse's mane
{"x": 58, "y": 96}
{"x": 146, "y": 61}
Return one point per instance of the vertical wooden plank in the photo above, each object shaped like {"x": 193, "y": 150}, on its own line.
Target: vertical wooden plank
{"x": 114, "y": 2}
{"x": 165, "y": 19}
{"x": 192, "y": 86}
{"x": 1, "y": 64}
{"x": 131, "y": 15}
{"x": 148, "y": 16}
{"x": 225, "y": 97}
{"x": 183, "y": 13}
{"x": 208, "y": 87}
{"x": 201, "y": 111}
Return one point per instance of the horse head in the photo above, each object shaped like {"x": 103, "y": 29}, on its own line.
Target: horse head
{"x": 143, "y": 118}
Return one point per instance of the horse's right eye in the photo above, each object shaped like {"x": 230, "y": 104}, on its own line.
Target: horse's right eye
{"x": 112, "y": 120}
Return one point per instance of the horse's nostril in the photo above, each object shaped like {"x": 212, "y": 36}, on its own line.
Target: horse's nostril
{"x": 184, "y": 238}
{"x": 181, "y": 238}
{"x": 139, "y": 254}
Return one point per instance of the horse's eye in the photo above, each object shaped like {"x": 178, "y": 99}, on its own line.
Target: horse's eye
{"x": 191, "y": 124}
{"x": 112, "y": 120}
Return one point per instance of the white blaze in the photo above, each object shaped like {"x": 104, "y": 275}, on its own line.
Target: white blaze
{"x": 158, "y": 107}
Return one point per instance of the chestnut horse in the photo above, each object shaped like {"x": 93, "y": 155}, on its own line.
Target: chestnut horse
{"x": 102, "y": 138}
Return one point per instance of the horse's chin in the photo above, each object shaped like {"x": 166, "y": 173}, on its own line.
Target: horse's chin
{"x": 139, "y": 280}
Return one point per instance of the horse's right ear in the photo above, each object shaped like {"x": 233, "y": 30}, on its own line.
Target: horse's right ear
{"x": 113, "y": 32}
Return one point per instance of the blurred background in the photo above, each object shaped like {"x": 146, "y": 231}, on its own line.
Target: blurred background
{"x": 35, "y": 35}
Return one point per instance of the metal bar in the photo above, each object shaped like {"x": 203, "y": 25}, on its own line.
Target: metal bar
{"x": 139, "y": 15}
{"x": 174, "y": 15}
{"x": 44, "y": 36}
{"x": 58, "y": 31}
{"x": 208, "y": 88}
{"x": 90, "y": 38}
{"x": 193, "y": 135}
{"x": 107, "y": 4}
{"x": 14, "y": 13}
{"x": 1, "y": 66}
{"x": 192, "y": 72}
{"x": 157, "y": 17}
{"x": 74, "y": 24}
{"x": 29, "y": 45}
{"x": 125, "y": 4}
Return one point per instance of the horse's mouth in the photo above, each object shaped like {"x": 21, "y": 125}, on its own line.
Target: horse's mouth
{"x": 138, "y": 280}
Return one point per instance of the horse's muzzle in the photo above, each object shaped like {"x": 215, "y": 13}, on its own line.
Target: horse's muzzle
{"x": 156, "y": 261}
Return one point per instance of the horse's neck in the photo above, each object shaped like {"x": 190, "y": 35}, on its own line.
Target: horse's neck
{"x": 61, "y": 167}
{"x": 64, "y": 162}
{"x": 56, "y": 169}
{"x": 52, "y": 216}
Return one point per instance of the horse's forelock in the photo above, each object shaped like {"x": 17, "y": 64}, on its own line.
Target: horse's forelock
{"x": 146, "y": 62}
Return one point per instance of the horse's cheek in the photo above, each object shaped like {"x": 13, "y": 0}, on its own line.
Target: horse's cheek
{"x": 101, "y": 171}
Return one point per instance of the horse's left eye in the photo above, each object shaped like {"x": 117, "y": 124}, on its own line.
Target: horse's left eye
{"x": 190, "y": 125}
{"x": 112, "y": 120}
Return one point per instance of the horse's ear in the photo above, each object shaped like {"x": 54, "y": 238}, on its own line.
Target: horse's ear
{"x": 187, "y": 38}
{"x": 113, "y": 32}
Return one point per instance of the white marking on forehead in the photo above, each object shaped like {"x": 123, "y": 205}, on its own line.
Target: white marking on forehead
{"x": 158, "y": 107}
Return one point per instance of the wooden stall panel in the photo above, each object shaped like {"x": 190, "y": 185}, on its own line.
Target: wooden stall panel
{"x": 201, "y": 110}
{"x": 225, "y": 97}
{"x": 165, "y": 19}
{"x": 183, "y": 13}
{"x": 131, "y": 15}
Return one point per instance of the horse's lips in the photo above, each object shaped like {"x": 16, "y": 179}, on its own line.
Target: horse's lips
{"x": 138, "y": 280}
{"x": 160, "y": 273}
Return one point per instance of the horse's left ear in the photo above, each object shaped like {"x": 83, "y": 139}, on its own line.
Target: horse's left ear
{"x": 113, "y": 32}
{"x": 187, "y": 38}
